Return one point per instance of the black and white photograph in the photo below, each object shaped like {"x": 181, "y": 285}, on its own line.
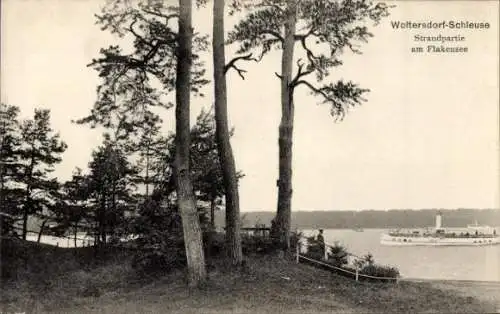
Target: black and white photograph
{"x": 249, "y": 156}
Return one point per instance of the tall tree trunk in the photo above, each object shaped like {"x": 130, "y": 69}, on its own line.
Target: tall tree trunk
{"x": 114, "y": 212}
{"x": 25, "y": 221}
{"x": 42, "y": 229}
{"x": 102, "y": 222}
{"x": 211, "y": 232}
{"x": 212, "y": 211}
{"x": 76, "y": 231}
{"x": 147, "y": 173}
{"x": 28, "y": 200}
{"x": 233, "y": 236}
{"x": 184, "y": 186}
{"x": 284, "y": 208}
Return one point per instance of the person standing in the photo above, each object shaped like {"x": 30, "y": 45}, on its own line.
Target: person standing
{"x": 321, "y": 242}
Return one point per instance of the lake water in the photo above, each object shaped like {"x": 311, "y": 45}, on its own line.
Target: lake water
{"x": 423, "y": 262}
{"x": 81, "y": 241}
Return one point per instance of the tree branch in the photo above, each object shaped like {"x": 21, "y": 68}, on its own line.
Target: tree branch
{"x": 273, "y": 33}
{"x": 303, "y": 37}
{"x": 340, "y": 113}
{"x": 232, "y": 64}
{"x": 342, "y": 96}
{"x": 310, "y": 54}
{"x": 300, "y": 74}
{"x": 167, "y": 17}
{"x": 269, "y": 4}
{"x": 167, "y": 29}
{"x": 316, "y": 90}
{"x": 139, "y": 37}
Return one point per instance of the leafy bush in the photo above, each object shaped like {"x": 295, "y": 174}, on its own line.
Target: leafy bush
{"x": 366, "y": 260}
{"x": 158, "y": 255}
{"x": 367, "y": 266}
{"x": 380, "y": 271}
{"x": 263, "y": 244}
{"x": 295, "y": 239}
{"x": 257, "y": 244}
{"x": 315, "y": 250}
{"x": 160, "y": 245}
{"x": 6, "y": 225}
{"x": 215, "y": 243}
{"x": 338, "y": 255}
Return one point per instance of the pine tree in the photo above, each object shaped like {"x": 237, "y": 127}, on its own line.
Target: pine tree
{"x": 10, "y": 167}
{"x": 40, "y": 151}
{"x": 165, "y": 57}
{"x": 330, "y": 26}
{"x": 110, "y": 192}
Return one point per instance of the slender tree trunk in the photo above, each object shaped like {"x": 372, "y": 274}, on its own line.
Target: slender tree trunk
{"x": 284, "y": 210}
{"x": 212, "y": 212}
{"x": 184, "y": 186}
{"x": 25, "y": 222}
{"x": 76, "y": 230}
{"x": 147, "y": 173}
{"x": 28, "y": 201}
{"x": 2, "y": 191}
{"x": 233, "y": 236}
{"x": 114, "y": 211}
{"x": 211, "y": 231}
{"x": 26, "y": 210}
{"x": 42, "y": 228}
{"x": 102, "y": 221}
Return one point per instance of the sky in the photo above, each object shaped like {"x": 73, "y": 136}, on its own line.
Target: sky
{"x": 428, "y": 136}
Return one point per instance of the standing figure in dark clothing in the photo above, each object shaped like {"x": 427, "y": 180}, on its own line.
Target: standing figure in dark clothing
{"x": 321, "y": 242}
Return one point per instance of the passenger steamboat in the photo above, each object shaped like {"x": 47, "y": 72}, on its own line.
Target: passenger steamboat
{"x": 472, "y": 235}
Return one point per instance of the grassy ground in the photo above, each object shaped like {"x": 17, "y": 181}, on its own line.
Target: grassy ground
{"x": 66, "y": 282}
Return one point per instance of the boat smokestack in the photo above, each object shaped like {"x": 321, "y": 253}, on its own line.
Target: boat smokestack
{"x": 439, "y": 218}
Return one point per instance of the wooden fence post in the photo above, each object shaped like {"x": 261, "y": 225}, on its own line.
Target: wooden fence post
{"x": 357, "y": 273}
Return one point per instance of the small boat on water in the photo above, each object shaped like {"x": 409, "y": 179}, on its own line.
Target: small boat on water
{"x": 358, "y": 229}
{"x": 473, "y": 235}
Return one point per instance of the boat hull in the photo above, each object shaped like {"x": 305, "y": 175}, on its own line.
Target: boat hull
{"x": 387, "y": 239}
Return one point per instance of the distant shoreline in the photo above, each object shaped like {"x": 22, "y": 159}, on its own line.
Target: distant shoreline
{"x": 373, "y": 219}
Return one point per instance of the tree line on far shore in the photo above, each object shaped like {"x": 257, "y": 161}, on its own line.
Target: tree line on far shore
{"x": 394, "y": 218}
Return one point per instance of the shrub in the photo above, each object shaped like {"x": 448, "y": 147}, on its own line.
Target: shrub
{"x": 338, "y": 255}
{"x": 258, "y": 244}
{"x": 366, "y": 260}
{"x": 160, "y": 245}
{"x": 159, "y": 255}
{"x": 7, "y": 225}
{"x": 380, "y": 271}
{"x": 215, "y": 243}
{"x": 367, "y": 266}
{"x": 315, "y": 250}
{"x": 294, "y": 239}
